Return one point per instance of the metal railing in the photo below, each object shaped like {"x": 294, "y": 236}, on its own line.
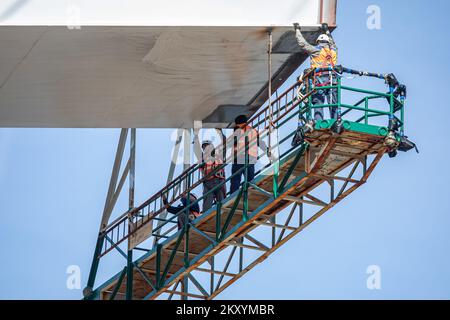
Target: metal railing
{"x": 295, "y": 103}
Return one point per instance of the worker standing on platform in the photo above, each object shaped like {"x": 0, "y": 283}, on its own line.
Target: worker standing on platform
{"x": 323, "y": 55}
{"x": 213, "y": 175}
{"x": 241, "y": 131}
{"x": 194, "y": 209}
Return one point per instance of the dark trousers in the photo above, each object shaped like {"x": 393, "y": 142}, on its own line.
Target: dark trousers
{"x": 319, "y": 98}
{"x": 236, "y": 180}
{"x": 330, "y": 95}
{"x": 182, "y": 218}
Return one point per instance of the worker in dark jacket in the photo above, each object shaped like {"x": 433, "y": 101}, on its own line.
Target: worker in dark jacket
{"x": 323, "y": 55}
{"x": 194, "y": 209}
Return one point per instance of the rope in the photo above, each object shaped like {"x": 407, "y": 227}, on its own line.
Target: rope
{"x": 271, "y": 124}
{"x": 269, "y": 75}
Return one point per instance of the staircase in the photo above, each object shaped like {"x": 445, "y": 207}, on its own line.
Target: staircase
{"x": 211, "y": 253}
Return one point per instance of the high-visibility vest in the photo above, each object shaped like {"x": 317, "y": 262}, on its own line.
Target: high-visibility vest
{"x": 210, "y": 166}
{"x": 252, "y": 134}
{"x": 326, "y": 58}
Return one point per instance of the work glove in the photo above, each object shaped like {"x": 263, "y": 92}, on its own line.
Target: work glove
{"x": 271, "y": 157}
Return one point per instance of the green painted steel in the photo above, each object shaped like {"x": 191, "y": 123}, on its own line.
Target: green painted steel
{"x": 129, "y": 290}
{"x": 172, "y": 256}
{"x": 218, "y": 221}
{"x": 354, "y": 126}
{"x": 158, "y": 265}
{"x": 291, "y": 110}
{"x": 95, "y": 262}
{"x": 119, "y": 283}
{"x": 294, "y": 163}
{"x": 245, "y": 185}
{"x": 231, "y": 213}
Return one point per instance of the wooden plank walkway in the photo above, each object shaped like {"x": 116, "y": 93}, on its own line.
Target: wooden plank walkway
{"x": 327, "y": 156}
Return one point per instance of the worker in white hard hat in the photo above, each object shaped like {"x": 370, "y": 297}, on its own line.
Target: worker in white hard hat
{"x": 214, "y": 189}
{"x": 323, "y": 55}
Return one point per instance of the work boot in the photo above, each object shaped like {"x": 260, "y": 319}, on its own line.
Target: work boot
{"x": 309, "y": 126}
{"x": 391, "y": 140}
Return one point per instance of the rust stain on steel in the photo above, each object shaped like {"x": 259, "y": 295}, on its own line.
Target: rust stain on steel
{"x": 328, "y": 12}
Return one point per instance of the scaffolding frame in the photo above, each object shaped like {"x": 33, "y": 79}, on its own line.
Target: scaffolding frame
{"x": 295, "y": 102}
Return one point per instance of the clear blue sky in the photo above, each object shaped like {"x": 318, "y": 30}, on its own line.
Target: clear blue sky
{"x": 53, "y": 184}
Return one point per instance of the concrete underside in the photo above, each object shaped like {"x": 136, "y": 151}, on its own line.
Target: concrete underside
{"x": 145, "y": 77}
{"x": 145, "y": 64}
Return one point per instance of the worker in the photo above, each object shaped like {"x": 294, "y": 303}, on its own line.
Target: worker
{"x": 241, "y": 131}
{"x": 214, "y": 189}
{"x": 323, "y": 55}
{"x": 194, "y": 209}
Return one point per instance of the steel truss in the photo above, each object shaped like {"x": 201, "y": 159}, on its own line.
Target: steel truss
{"x": 283, "y": 225}
{"x": 239, "y": 240}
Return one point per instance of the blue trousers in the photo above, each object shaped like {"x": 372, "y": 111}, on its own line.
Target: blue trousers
{"x": 236, "y": 180}
{"x": 319, "y": 98}
{"x": 330, "y": 95}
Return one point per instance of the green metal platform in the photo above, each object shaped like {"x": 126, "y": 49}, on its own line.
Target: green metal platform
{"x": 208, "y": 255}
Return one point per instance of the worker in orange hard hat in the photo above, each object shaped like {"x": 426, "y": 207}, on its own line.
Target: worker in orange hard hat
{"x": 214, "y": 189}
{"x": 323, "y": 55}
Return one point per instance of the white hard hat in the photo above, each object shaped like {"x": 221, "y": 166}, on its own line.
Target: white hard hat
{"x": 323, "y": 38}
{"x": 206, "y": 142}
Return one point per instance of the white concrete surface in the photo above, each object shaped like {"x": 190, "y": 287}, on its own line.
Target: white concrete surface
{"x": 160, "y": 12}
{"x": 155, "y": 75}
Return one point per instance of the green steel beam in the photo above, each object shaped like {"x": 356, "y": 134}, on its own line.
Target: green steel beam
{"x": 119, "y": 283}
{"x": 171, "y": 257}
{"x": 231, "y": 213}
{"x": 221, "y": 232}
{"x": 294, "y": 163}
